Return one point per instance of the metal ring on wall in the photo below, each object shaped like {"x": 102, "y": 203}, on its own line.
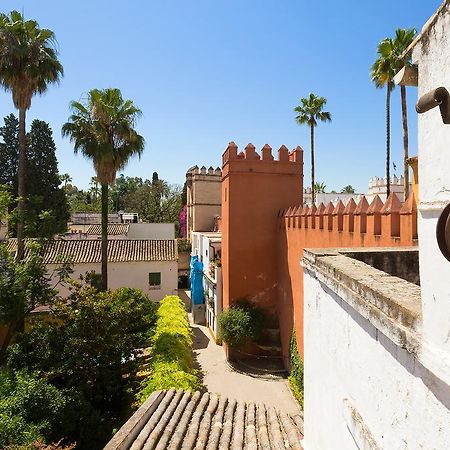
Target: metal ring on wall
{"x": 443, "y": 232}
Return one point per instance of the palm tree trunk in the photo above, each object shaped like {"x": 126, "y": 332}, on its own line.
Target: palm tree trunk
{"x": 405, "y": 142}
{"x": 388, "y": 140}
{"x": 313, "y": 192}
{"x": 21, "y": 186}
{"x": 104, "y": 237}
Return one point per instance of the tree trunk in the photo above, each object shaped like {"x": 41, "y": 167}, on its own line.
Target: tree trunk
{"x": 405, "y": 143}
{"x": 313, "y": 188}
{"x": 21, "y": 186}
{"x": 104, "y": 237}
{"x": 388, "y": 140}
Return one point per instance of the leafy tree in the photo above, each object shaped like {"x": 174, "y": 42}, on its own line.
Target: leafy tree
{"x": 122, "y": 189}
{"x": 102, "y": 129}
{"x": 28, "y": 64}
{"x": 9, "y": 132}
{"x": 31, "y": 409}
{"x": 320, "y": 187}
{"x": 156, "y": 202}
{"x": 46, "y": 200}
{"x": 24, "y": 285}
{"x": 349, "y": 189}
{"x": 309, "y": 112}
{"x": 90, "y": 350}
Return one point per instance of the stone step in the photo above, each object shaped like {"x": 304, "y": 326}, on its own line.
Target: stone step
{"x": 264, "y": 367}
{"x": 269, "y": 349}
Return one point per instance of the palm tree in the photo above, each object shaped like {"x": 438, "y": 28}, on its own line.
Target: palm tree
{"x": 320, "y": 187}
{"x": 65, "y": 178}
{"x": 28, "y": 64}
{"x": 309, "y": 112}
{"x": 382, "y": 74}
{"x": 349, "y": 189}
{"x": 102, "y": 129}
{"x": 403, "y": 39}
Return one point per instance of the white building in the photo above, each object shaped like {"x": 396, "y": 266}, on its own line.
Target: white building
{"x": 150, "y": 265}
{"x": 377, "y": 347}
{"x": 378, "y": 186}
{"x": 207, "y": 246}
{"x": 133, "y": 231}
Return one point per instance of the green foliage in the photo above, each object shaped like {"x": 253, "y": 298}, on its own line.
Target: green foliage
{"x": 171, "y": 357}
{"x": 296, "y": 375}
{"x": 46, "y": 204}
{"x": 349, "y": 189}
{"x": 30, "y": 408}
{"x": 320, "y": 187}
{"x": 242, "y": 323}
{"x": 90, "y": 349}
{"x": 24, "y": 285}
{"x": 9, "y": 133}
{"x": 47, "y": 209}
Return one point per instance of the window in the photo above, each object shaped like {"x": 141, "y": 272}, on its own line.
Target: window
{"x": 154, "y": 280}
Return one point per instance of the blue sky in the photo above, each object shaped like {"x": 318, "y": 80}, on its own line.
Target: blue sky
{"x": 205, "y": 72}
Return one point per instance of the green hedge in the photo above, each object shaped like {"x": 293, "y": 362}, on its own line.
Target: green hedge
{"x": 296, "y": 375}
{"x": 171, "y": 354}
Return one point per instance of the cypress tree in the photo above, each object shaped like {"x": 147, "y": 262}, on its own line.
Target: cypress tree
{"x": 47, "y": 204}
{"x": 9, "y": 151}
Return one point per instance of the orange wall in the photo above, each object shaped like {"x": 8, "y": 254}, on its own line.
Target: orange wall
{"x": 377, "y": 225}
{"x": 254, "y": 189}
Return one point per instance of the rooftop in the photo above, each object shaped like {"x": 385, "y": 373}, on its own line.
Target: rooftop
{"x": 89, "y": 251}
{"x": 183, "y": 419}
{"x": 114, "y": 229}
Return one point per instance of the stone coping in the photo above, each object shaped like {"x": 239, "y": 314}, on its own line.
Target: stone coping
{"x": 390, "y": 304}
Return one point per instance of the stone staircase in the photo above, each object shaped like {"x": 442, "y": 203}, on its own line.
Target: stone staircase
{"x": 267, "y": 359}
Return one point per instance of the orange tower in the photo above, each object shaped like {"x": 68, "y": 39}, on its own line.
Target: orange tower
{"x": 254, "y": 189}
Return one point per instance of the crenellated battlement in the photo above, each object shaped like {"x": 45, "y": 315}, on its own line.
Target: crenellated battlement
{"x": 377, "y": 182}
{"x": 250, "y": 154}
{"x": 217, "y": 172}
{"x": 376, "y": 224}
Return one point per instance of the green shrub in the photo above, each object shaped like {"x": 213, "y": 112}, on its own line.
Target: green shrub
{"x": 90, "y": 352}
{"x": 30, "y": 408}
{"x": 296, "y": 375}
{"x": 171, "y": 355}
{"x": 243, "y": 322}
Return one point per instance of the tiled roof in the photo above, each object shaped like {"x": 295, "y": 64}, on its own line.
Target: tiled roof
{"x": 89, "y": 251}
{"x": 182, "y": 419}
{"x": 114, "y": 229}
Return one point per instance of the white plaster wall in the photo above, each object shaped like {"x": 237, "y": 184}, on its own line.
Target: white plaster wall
{"x": 401, "y": 403}
{"x": 433, "y": 58}
{"x": 130, "y": 274}
{"x": 154, "y": 231}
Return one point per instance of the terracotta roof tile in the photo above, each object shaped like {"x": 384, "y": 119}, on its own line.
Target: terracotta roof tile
{"x": 183, "y": 419}
{"x": 114, "y": 229}
{"x": 89, "y": 250}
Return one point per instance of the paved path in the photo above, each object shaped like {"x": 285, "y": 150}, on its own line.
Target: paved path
{"x": 218, "y": 377}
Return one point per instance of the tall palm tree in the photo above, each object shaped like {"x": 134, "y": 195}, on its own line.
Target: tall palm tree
{"x": 309, "y": 112}
{"x": 102, "y": 129}
{"x": 382, "y": 74}
{"x": 403, "y": 39}
{"x": 28, "y": 64}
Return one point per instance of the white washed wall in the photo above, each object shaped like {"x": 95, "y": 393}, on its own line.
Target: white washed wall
{"x": 403, "y": 405}
{"x": 432, "y": 55}
{"x": 131, "y": 274}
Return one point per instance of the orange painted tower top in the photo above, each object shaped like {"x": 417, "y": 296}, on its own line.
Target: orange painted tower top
{"x": 255, "y": 186}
